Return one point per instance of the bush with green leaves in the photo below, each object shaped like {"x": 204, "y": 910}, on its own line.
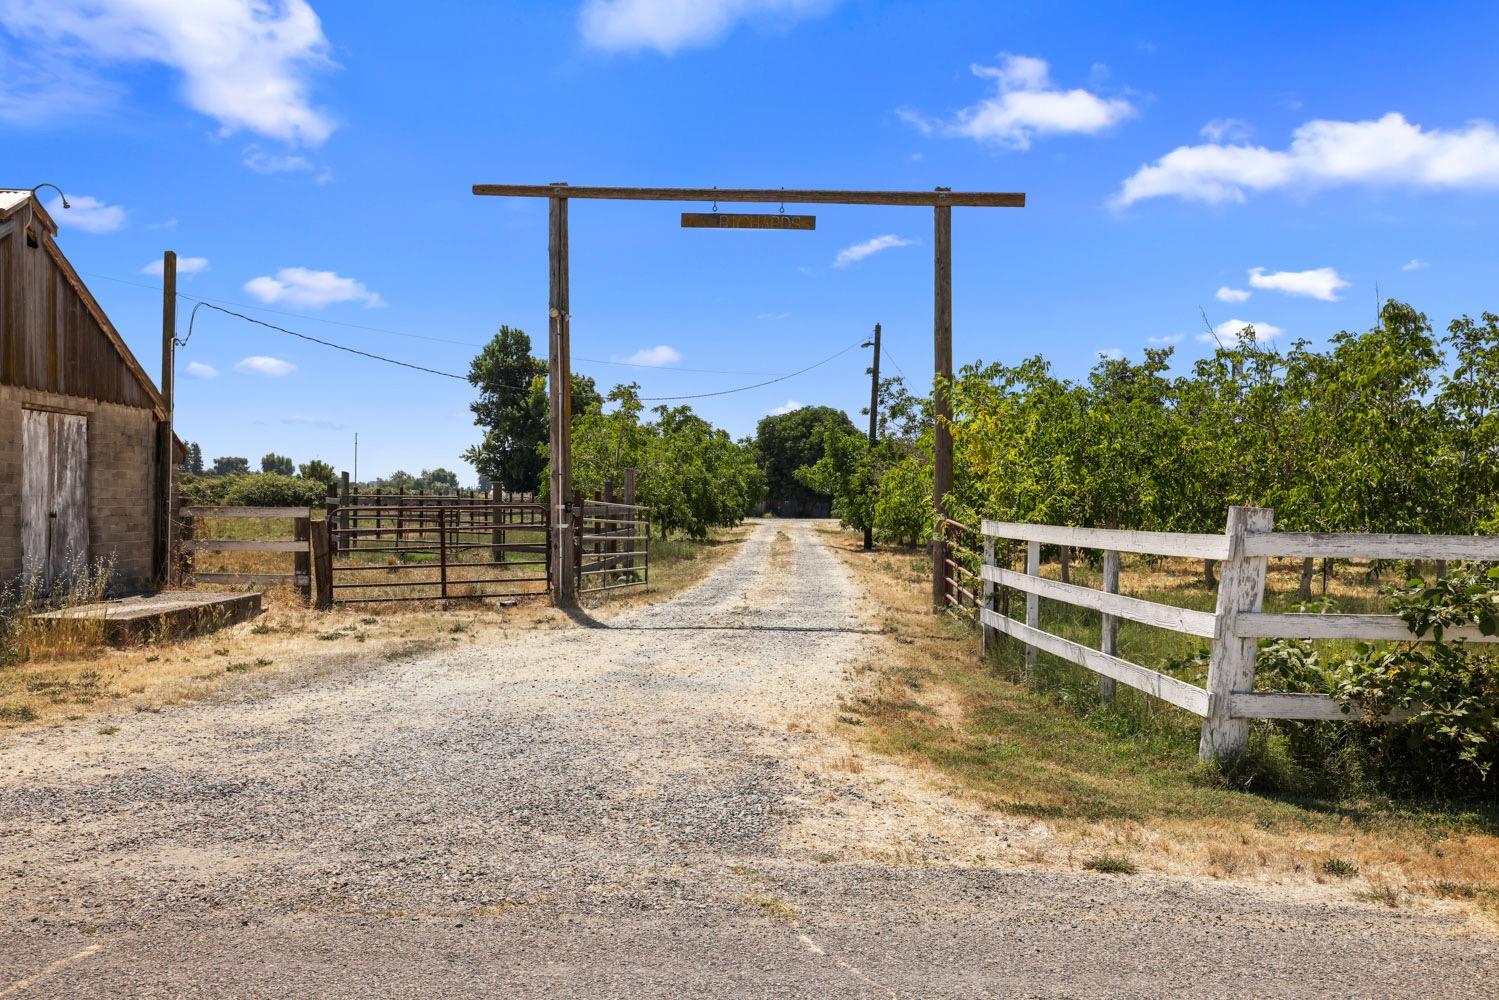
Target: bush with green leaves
{"x": 1447, "y": 689}
{"x": 253, "y": 489}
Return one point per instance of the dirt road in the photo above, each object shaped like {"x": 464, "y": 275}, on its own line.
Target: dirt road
{"x": 648, "y": 806}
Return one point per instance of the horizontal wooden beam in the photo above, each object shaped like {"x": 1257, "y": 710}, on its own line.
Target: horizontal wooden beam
{"x": 1309, "y": 625}
{"x": 1299, "y": 707}
{"x": 1356, "y": 545}
{"x": 1198, "y": 623}
{"x": 1178, "y": 692}
{"x": 267, "y": 579}
{"x": 1159, "y": 543}
{"x": 246, "y": 512}
{"x": 235, "y": 545}
{"x": 766, "y": 196}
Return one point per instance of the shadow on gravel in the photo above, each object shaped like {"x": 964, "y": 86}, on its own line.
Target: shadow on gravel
{"x": 583, "y": 618}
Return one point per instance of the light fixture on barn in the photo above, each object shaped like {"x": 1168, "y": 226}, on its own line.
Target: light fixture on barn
{"x": 55, "y": 188}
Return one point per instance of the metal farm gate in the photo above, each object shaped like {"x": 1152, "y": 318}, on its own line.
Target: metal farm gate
{"x": 437, "y": 548}
{"x": 613, "y": 545}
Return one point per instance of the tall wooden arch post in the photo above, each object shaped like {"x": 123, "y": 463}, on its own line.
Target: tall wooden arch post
{"x": 941, "y": 201}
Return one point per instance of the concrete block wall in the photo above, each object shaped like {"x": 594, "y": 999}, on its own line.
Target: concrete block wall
{"x": 122, "y": 478}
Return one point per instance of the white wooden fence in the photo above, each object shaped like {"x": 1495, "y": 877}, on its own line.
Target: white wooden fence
{"x": 1236, "y": 625}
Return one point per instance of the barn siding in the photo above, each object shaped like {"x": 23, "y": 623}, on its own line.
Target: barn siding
{"x": 121, "y": 480}
{"x": 52, "y": 340}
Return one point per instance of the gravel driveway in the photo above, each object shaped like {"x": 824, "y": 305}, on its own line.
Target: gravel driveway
{"x": 620, "y": 808}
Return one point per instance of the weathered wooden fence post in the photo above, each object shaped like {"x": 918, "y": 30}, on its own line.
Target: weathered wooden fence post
{"x": 1032, "y": 601}
{"x": 302, "y": 559}
{"x": 986, "y": 631}
{"x": 1108, "y": 640}
{"x": 1241, "y": 588}
{"x": 322, "y": 562}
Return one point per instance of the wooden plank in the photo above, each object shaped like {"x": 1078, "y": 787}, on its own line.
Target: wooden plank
{"x": 1198, "y": 623}
{"x": 236, "y": 545}
{"x": 298, "y": 579}
{"x": 302, "y": 561}
{"x": 1178, "y": 692}
{"x": 70, "y": 499}
{"x": 1032, "y": 601}
{"x": 246, "y": 512}
{"x": 1299, "y": 707}
{"x": 322, "y": 562}
{"x": 1108, "y": 637}
{"x": 1160, "y": 543}
{"x": 1263, "y": 625}
{"x": 748, "y": 220}
{"x": 1241, "y": 587}
{"x": 36, "y": 493}
{"x": 765, "y": 196}
{"x": 1353, "y": 545}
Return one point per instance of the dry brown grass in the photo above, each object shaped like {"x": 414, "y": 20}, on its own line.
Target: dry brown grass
{"x": 931, "y": 702}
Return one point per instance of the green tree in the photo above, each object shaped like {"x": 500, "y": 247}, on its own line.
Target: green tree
{"x": 790, "y": 441}
{"x": 279, "y": 464}
{"x": 192, "y": 462}
{"x": 317, "y": 469}
{"x": 513, "y": 410}
{"x": 230, "y": 465}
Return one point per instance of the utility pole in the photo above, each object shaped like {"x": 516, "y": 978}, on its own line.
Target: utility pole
{"x": 164, "y": 437}
{"x": 356, "y": 458}
{"x": 941, "y": 410}
{"x": 874, "y": 415}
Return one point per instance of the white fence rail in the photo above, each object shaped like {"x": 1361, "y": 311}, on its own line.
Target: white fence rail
{"x": 1236, "y": 625}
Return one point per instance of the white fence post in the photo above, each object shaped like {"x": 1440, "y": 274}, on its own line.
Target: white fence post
{"x": 1032, "y": 601}
{"x": 986, "y": 631}
{"x": 1241, "y": 588}
{"x": 1108, "y": 641}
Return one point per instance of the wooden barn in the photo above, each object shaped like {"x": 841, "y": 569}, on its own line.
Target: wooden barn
{"x": 80, "y": 420}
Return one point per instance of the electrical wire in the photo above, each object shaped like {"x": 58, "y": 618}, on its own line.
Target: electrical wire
{"x": 757, "y": 385}
{"x": 192, "y": 319}
{"x": 416, "y": 336}
{"x": 315, "y": 340}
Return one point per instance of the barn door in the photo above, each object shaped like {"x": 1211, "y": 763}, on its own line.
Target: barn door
{"x": 54, "y": 495}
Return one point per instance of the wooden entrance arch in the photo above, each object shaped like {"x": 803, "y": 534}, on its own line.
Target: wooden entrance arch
{"x": 941, "y": 201}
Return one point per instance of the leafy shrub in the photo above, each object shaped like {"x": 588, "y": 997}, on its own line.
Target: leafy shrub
{"x": 257, "y": 489}
{"x": 1450, "y": 740}
{"x": 903, "y": 511}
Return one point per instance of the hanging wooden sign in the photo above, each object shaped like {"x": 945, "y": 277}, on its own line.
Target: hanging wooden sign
{"x": 745, "y": 220}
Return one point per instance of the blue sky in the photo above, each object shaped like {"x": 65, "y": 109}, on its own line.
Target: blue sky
{"x": 1274, "y": 164}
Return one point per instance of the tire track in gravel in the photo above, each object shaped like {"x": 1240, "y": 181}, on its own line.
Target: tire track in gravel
{"x": 616, "y": 808}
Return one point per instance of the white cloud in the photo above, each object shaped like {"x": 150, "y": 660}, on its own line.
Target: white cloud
{"x": 1415, "y": 264}
{"x": 259, "y": 364}
{"x": 1111, "y": 353}
{"x": 669, "y": 25}
{"x": 1387, "y": 151}
{"x": 298, "y": 286}
{"x": 773, "y": 316}
{"x": 1166, "y": 340}
{"x": 1228, "y": 332}
{"x": 1226, "y": 294}
{"x": 655, "y": 357}
{"x": 1320, "y": 283}
{"x": 244, "y": 63}
{"x": 262, "y": 162}
{"x": 786, "y": 407}
{"x": 186, "y": 266}
{"x": 857, "y": 252}
{"x": 88, "y": 214}
{"x": 1026, "y": 105}
{"x": 1226, "y": 130}
{"x": 198, "y": 369}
